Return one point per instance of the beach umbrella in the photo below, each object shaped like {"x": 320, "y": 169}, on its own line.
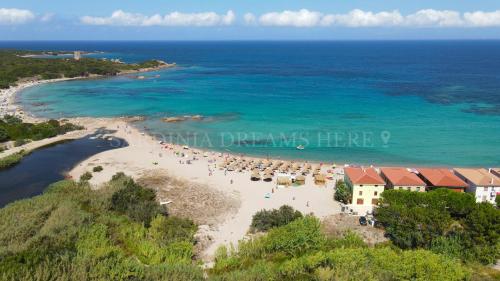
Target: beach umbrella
{"x": 268, "y": 177}
{"x": 284, "y": 180}
{"x": 320, "y": 179}
{"x": 255, "y": 176}
{"x": 300, "y": 180}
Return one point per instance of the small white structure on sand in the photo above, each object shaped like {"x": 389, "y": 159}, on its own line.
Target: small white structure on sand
{"x": 77, "y": 55}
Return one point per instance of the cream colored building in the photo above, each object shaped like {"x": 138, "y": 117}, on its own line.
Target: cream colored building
{"x": 484, "y": 185}
{"x": 366, "y": 187}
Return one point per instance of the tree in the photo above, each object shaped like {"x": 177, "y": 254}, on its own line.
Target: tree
{"x": 342, "y": 192}
{"x": 482, "y": 226}
{"x": 444, "y": 221}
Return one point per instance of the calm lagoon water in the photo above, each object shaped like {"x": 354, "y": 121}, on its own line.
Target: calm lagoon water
{"x": 47, "y": 165}
{"x": 412, "y": 103}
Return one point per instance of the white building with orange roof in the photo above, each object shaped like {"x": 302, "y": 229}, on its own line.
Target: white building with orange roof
{"x": 484, "y": 185}
{"x": 366, "y": 186}
{"x": 402, "y": 179}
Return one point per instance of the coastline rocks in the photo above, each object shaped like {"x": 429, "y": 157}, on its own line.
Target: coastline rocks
{"x": 132, "y": 119}
{"x": 175, "y": 119}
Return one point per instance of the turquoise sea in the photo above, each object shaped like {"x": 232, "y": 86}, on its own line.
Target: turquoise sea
{"x": 386, "y": 103}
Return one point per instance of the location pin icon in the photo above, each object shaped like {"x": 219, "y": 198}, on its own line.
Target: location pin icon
{"x": 385, "y": 136}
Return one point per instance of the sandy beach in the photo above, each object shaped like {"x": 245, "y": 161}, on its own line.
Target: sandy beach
{"x": 144, "y": 154}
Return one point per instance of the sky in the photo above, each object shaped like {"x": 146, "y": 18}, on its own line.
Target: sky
{"x": 249, "y": 19}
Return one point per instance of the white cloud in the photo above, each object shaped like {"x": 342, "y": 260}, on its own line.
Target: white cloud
{"x": 121, "y": 18}
{"x": 431, "y": 17}
{"x": 482, "y": 19}
{"x": 301, "y": 18}
{"x": 249, "y": 18}
{"x": 360, "y": 18}
{"x": 47, "y": 17}
{"x": 15, "y": 16}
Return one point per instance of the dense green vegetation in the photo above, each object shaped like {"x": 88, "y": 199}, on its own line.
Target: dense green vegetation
{"x": 300, "y": 251}
{"x": 74, "y": 233}
{"x": 267, "y": 219}
{"x": 120, "y": 232}
{"x": 14, "y": 67}
{"x": 443, "y": 221}
{"x": 13, "y": 159}
{"x": 342, "y": 192}
{"x": 12, "y": 128}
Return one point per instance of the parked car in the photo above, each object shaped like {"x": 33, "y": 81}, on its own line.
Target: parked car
{"x": 362, "y": 220}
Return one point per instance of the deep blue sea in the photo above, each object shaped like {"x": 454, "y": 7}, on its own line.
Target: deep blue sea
{"x": 364, "y": 102}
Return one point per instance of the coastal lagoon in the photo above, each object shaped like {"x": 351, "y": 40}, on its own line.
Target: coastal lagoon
{"x": 386, "y": 103}
{"x": 49, "y": 164}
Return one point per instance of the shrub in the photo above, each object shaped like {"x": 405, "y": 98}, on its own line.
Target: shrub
{"x": 86, "y": 176}
{"x": 97, "y": 169}
{"x": 12, "y": 120}
{"x": 136, "y": 202}
{"x": 166, "y": 230}
{"x": 118, "y": 176}
{"x": 13, "y": 159}
{"x": 342, "y": 192}
{"x": 296, "y": 238}
{"x": 20, "y": 142}
{"x": 4, "y": 136}
{"x": 265, "y": 220}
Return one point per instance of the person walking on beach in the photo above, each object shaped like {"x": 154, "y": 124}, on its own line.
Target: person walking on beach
{"x": 231, "y": 181}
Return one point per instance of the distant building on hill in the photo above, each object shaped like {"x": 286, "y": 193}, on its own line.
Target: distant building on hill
{"x": 482, "y": 183}
{"x": 441, "y": 177}
{"x": 77, "y": 55}
{"x": 402, "y": 179}
{"x": 366, "y": 186}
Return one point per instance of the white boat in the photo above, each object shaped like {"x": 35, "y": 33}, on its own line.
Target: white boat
{"x": 300, "y": 147}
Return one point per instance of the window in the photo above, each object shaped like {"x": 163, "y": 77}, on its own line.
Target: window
{"x": 359, "y": 201}
{"x": 408, "y": 188}
{"x": 418, "y": 188}
{"x": 374, "y": 201}
{"x": 375, "y": 193}
{"x": 360, "y": 193}
{"x": 376, "y": 185}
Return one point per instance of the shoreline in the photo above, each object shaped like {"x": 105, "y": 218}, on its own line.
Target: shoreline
{"x": 8, "y": 103}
